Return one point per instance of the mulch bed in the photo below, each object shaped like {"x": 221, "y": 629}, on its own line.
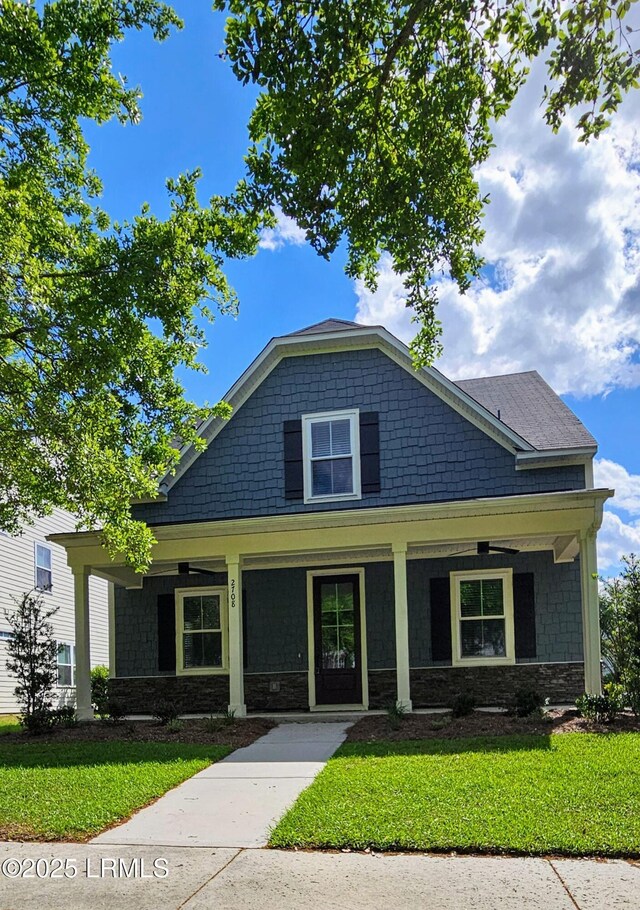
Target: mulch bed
{"x": 241, "y": 732}
{"x": 480, "y": 723}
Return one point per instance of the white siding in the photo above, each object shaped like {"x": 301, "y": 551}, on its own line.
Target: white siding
{"x": 17, "y": 575}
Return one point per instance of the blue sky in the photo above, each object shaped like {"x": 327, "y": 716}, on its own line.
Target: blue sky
{"x": 560, "y": 293}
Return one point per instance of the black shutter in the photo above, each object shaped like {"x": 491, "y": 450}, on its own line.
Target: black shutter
{"x": 293, "y": 478}
{"x": 166, "y": 633}
{"x": 524, "y": 615}
{"x": 369, "y": 452}
{"x": 440, "y": 619}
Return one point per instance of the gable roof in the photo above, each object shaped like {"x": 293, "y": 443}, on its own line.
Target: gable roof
{"x": 328, "y": 325}
{"x": 332, "y": 335}
{"x": 526, "y": 403}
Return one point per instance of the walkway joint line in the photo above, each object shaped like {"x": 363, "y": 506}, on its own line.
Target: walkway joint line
{"x": 210, "y": 879}
{"x": 562, "y": 882}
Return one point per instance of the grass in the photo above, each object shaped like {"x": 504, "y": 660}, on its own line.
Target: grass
{"x": 9, "y": 723}
{"x": 71, "y": 791}
{"x": 575, "y": 794}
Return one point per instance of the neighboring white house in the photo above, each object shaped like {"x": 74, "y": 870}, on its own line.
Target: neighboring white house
{"x": 30, "y": 561}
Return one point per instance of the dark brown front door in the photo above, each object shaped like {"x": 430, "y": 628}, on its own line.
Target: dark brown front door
{"x": 336, "y": 611}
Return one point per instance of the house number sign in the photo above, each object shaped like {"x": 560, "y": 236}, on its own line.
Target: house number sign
{"x": 233, "y": 593}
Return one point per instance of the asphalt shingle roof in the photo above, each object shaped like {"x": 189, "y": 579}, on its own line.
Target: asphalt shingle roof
{"x": 527, "y": 404}
{"x": 329, "y": 325}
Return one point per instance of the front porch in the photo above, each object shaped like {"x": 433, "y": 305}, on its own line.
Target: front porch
{"x": 408, "y": 641}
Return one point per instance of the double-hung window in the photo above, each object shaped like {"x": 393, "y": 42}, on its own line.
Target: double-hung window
{"x": 201, "y": 630}
{"x": 43, "y": 572}
{"x": 482, "y": 617}
{"x": 331, "y": 451}
{"x": 66, "y": 664}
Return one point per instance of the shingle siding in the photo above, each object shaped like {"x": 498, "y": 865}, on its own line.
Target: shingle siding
{"x": 428, "y": 452}
{"x": 276, "y": 613}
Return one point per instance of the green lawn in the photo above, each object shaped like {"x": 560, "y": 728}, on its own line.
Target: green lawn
{"x": 73, "y": 790}
{"x": 9, "y": 723}
{"x": 570, "y": 794}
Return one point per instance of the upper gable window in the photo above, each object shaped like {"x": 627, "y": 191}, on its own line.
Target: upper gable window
{"x": 331, "y": 449}
{"x": 43, "y": 571}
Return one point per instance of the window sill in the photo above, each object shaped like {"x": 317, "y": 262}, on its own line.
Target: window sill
{"x": 202, "y": 671}
{"x": 348, "y": 497}
{"x": 483, "y": 661}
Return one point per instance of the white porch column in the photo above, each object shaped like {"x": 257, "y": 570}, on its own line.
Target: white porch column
{"x": 590, "y": 613}
{"x": 402, "y": 625}
{"x": 84, "y": 710}
{"x": 236, "y": 665}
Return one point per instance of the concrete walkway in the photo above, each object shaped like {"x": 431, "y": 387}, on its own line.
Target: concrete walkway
{"x": 207, "y": 879}
{"x": 234, "y": 803}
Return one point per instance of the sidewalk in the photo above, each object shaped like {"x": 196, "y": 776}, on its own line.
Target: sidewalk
{"x": 234, "y": 803}
{"x": 206, "y": 879}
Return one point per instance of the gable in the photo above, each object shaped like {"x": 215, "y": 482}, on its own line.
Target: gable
{"x": 429, "y": 451}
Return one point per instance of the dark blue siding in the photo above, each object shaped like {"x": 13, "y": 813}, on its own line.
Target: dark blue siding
{"x": 428, "y": 452}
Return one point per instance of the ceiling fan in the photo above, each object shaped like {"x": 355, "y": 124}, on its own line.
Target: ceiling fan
{"x": 485, "y": 548}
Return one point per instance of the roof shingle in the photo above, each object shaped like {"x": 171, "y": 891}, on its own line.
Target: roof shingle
{"x": 527, "y": 404}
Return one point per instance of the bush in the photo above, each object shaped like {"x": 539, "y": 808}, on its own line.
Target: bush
{"x": 528, "y": 703}
{"x": 396, "y": 713}
{"x": 463, "y": 705}
{"x": 32, "y": 654}
{"x": 228, "y": 716}
{"x": 64, "y": 717}
{"x": 115, "y": 711}
{"x": 211, "y": 724}
{"x": 165, "y": 711}
{"x": 46, "y": 719}
{"x": 175, "y": 725}
{"x": 602, "y": 709}
{"x": 100, "y": 689}
{"x": 620, "y": 626}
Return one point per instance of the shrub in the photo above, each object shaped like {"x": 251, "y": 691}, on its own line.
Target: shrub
{"x": 165, "y": 711}
{"x": 37, "y": 722}
{"x": 32, "y": 654}
{"x": 620, "y": 625}
{"x": 528, "y": 703}
{"x": 396, "y": 713}
{"x": 228, "y": 716}
{"x": 463, "y": 705}
{"x": 439, "y": 723}
{"x": 175, "y": 725}
{"x": 211, "y": 724}
{"x": 64, "y": 717}
{"x": 100, "y": 689}
{"x": 115, "y": 710}
{"x": 601, "y": 708}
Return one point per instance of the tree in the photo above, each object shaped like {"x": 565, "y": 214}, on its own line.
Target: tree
{"x": 95, "y": 316}
{"x": 32, "y": 655}
{"x": 620, "y": 627}
{"x": 373, "y": 114}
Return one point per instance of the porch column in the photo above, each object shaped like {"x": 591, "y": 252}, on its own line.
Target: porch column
{"x": 402, "y": 625}
{"x": 236, "y": 667}
{"x": 590, "y": 613}
{"x": 84, "y": 709}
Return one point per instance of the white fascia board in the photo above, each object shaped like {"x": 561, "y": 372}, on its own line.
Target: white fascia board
{"x": 551, "y": 458}
{"x": 355, "y": 339}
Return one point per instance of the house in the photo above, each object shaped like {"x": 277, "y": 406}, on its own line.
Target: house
{"x": 360, "y": 533}
{"x": 30, "y": 562}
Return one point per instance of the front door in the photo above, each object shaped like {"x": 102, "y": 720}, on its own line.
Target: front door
{"x": 336, "y": 612}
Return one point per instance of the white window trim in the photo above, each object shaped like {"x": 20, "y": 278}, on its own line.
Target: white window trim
{"x": 180, "y": 594}
{"x": 71, "y": 645}
{"x": 36, "y": 544}
{"x": 507, "y": 586}
{"x": 354, "y": 419}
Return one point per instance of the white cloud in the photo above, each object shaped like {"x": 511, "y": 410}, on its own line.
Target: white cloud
{"x": 286, "y": 231}
{"x": 563, "y": 240}
{"x": 627, "y": 486}
{"x": 616, "y": 538}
